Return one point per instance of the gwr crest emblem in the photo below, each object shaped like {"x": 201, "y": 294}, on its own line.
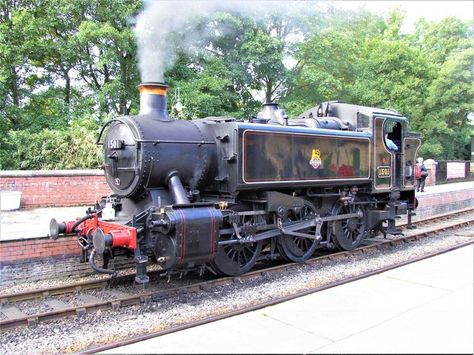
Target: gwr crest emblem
{"x": 315, "y": 161}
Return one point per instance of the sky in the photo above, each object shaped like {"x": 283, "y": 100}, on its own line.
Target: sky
{"x": 430, "y": 10}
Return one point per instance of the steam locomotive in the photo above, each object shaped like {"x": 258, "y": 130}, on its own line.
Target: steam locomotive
{"x": 220, "y": 193}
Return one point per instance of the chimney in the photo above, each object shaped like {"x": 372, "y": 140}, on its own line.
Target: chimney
{"x": 153, "y": 100}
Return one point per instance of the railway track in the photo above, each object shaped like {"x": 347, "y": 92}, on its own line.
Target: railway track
{"x": 85, "y": 303}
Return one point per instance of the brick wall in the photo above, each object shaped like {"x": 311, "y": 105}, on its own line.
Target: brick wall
{"x": 443, "y": 202}
{"x": 44, "y": 259}
{"x": 447, "y": 197}
{"x": 39, "y": 248}
{"x": 56, "y": 187}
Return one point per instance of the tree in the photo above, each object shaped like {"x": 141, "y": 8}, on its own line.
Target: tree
{"x": 393, "y": 75}
{"x": 450, "y": 99}
{"x": 205, "y": 86}
{"x": 447, "y": 44}
{"x": 107, "y": 60}
{"x": 438, "y": 40}
{"x": 255, "y": 51}
{"x": 326, "y": 70}
{"x": 13, "y": 68}
{"x": 329, "y": 61}
{"x": 62, "y": 61}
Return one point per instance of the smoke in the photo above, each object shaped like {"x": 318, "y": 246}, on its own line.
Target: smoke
{"x": 159, "y": 20}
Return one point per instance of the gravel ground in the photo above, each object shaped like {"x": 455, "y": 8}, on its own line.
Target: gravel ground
{"x": 35, "y": 285}
{"x": 33, "y": 307}
{"x": 78, "y": 299}
{"x": 75, "y": 334}
{"x": 39, "y": 284}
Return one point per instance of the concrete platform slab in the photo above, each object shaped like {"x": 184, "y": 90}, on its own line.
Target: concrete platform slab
{"x": 213, "y": 340}
{"x": 366, "y": 306}
{"x": 34, "y": 223}
{"x": 442, "y": 276}
{"x": 432, "y": 328}
{"x": 400, "y": 311}
{"x": 457, "y": 186}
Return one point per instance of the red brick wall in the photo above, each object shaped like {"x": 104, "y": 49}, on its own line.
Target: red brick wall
{"x": 445, "y": 198}
{"x": 55, "y": 188}
{"x": 27, "y": 250}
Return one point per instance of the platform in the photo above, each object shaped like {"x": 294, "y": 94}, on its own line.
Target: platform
{"x": 34, "y": 223}
{"x": 436, "y": 189}
{"x": 424, "y": 307}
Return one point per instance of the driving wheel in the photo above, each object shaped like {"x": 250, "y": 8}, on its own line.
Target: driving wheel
{"x": 236, "y": 259}
{"x": 299, "y": 249}
{"x": 347, "y": 234}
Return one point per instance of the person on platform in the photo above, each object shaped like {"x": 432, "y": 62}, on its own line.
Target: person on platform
{"x": 420, "y": 174}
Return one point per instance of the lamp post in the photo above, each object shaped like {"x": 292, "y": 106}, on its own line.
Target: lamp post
{"x": 178, "y": 106}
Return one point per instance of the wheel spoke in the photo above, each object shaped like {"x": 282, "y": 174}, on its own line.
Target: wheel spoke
{"x": 239, "y": 258}
{"x": 250, "y": 250}
{"x": 305, "y": 243}
{"x": 245, "y": 257}
{"x": 298, "y": 242}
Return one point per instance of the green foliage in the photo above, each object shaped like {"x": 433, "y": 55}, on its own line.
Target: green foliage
{"x": 450, "y": 100}
{"x": 327, "y": 71}
{"x": 107, "y": 49}
{"x": 71, "y": 148}
{"x": 62, "y": 62}
{"x": 328, "y": 61}
{"x": 448, "y": 45}
{"x": 391, "y": 74}
{"x": 439, "y": 39}
{"x": 254, "y": 50}
{"x": 66, "y": 66}
{"x": 394, "y": 23}
{"x": 206, "y": 91}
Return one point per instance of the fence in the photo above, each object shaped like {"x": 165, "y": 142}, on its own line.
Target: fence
{"x": 449, "y": 171}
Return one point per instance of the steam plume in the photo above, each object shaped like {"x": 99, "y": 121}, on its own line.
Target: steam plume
{"x": 161, "y": 18}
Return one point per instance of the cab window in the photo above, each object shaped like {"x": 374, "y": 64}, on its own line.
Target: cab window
{"x": 393, "y": 135}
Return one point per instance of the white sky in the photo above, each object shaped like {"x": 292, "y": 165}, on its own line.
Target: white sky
{"x": 430, "y": 10}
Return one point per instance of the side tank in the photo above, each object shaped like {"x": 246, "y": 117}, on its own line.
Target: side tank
{"x": 270, "y": 152}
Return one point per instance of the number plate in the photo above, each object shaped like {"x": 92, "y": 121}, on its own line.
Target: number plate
{"x": 384, "y": 171}
{"x": 116, "y": 144}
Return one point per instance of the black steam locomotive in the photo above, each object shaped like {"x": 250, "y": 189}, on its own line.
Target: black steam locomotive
{"x": 222, "y": 193}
